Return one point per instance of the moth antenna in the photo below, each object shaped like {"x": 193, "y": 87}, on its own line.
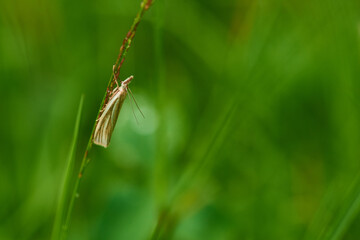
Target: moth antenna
{"x": 135, "y": 102}
{"x": 132, "y": 108}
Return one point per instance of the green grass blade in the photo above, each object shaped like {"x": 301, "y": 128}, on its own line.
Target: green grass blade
{"x": 64, "y": 191}
{"x": 349, "y": 214}
{"x": 200, "y": 168}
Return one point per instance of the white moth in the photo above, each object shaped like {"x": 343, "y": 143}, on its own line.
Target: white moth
{"x": 110, "y": 112}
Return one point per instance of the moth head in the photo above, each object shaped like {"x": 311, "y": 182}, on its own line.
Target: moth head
{"x": 127, "y": 81}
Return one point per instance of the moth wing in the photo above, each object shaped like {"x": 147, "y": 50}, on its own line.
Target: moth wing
{"x": 108, "y": 118}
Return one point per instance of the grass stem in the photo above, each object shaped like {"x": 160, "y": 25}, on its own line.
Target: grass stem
{"x": 144, "y": 6}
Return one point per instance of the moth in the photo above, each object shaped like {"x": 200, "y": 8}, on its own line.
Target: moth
{"x": 109, "y": 114}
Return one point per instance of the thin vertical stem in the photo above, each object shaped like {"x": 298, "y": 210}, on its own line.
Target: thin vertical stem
{"x": 144, "y": 6}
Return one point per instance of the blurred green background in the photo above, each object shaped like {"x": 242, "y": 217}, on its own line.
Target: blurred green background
{"x": 251, "y": 129}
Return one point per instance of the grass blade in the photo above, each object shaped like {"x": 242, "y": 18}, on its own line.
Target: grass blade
{"x": 64, "y": 191}
{"x": 349, "y": 214}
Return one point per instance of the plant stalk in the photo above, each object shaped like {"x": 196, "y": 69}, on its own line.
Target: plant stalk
{"x": 144, "y": 6}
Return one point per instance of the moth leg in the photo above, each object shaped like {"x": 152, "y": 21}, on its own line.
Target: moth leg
{"x": 115, "y": 78}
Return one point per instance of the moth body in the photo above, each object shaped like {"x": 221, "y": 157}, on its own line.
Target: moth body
{"x": 109, "y": 114}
